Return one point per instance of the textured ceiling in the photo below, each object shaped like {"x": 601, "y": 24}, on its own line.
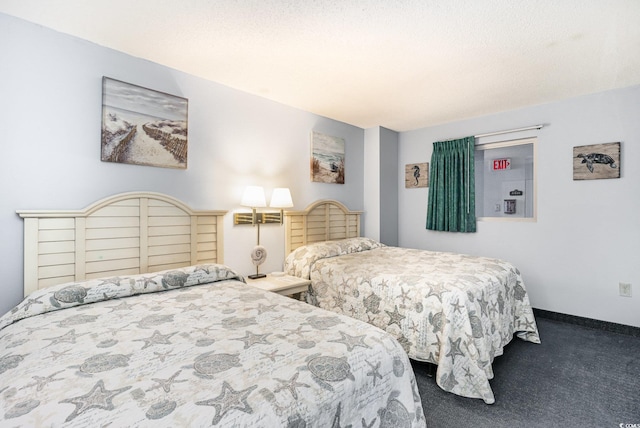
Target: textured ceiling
{"x": 399, "y": 64}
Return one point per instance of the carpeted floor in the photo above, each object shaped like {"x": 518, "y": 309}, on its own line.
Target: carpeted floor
{"x": 577, "y": 377}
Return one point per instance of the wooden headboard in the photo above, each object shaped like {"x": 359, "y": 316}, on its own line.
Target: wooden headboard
{"x": 129, "y": 233}
{"x": 324, "y": 220}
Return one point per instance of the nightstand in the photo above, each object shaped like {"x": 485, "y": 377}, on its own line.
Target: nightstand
{"x": 286, "y": 284}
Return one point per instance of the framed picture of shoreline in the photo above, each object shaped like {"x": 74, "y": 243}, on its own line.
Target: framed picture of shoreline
{"x": 327, "y": 158}
{"x": 141, "y": 126}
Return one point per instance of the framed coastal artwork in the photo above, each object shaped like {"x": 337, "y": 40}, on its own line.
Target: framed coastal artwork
{"x": 141, "y": 126}
{"x": 327, "y": 158}
{"x": 596, "y": 161}
{"x": 416, "y": 175}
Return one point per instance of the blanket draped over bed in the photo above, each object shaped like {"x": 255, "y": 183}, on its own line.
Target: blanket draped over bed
{"x": 193, "y": 347}
{"x": 453, "y": 310}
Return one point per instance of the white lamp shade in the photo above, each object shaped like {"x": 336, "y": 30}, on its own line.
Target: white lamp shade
{"x": 281, "y": 198}
{"x": 253, "y": 197}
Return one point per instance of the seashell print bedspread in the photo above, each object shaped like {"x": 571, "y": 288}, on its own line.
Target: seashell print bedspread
{"x": 196, "y": 347}
{"x": 453, "y": 310}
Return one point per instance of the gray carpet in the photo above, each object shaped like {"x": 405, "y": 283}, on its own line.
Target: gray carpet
{"x": 577, "y": 377}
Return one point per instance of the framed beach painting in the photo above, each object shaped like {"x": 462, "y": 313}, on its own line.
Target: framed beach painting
{"x": 327, "y": 158}
{"x": 596, "y": 161}
{"x": 141, "y": 126}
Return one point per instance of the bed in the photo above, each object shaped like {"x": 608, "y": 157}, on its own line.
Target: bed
{"x": 191, "y": 345}
{"x": 453, "y": 310}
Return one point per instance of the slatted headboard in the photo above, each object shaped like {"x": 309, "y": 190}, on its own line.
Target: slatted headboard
{"x": 129, "y": 233}
{"x": 324, "y": 220}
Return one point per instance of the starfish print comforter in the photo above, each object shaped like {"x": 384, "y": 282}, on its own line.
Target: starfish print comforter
{"x": 196, "y": 347}
{"x": 453, "y": 310}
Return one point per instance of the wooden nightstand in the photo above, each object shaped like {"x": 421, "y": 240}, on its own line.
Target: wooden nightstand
{"x": 286, "y": 284}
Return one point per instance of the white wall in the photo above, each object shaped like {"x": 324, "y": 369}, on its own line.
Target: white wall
{"x": 371, "y": 217}
{"x": 388, "y": 190}
{"x": 587, "y": 236}
{"x": 50, "y": 110}
{"x": 380, "y": 218}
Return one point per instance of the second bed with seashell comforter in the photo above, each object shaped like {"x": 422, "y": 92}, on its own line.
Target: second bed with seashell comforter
{"x": 453, "y": 310}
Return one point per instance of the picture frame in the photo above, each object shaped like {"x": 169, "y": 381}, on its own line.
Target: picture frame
{"x": 141, "y": 126}
{"x": 327, "y": 158}
{"x": 416, "y": 175}
{"x": 596, "y": 161}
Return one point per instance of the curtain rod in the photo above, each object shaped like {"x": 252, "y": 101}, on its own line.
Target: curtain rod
{"x": 508, "y": 131}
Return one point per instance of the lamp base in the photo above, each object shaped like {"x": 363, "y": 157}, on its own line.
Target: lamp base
{"x": 257, "y": 276}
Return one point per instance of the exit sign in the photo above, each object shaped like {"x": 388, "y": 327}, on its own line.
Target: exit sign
{"x": 501, "y": 164}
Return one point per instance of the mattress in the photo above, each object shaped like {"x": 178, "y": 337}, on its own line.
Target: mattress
{"x": 194, "y": 347}
{"x": 453, "y": 310}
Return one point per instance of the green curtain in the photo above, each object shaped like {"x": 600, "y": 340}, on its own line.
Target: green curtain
{"x": 452, "y": 200}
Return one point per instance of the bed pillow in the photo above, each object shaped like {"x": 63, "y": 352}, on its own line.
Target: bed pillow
{"x": 95, "y": 290}
{"x": 299, "y": 262}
